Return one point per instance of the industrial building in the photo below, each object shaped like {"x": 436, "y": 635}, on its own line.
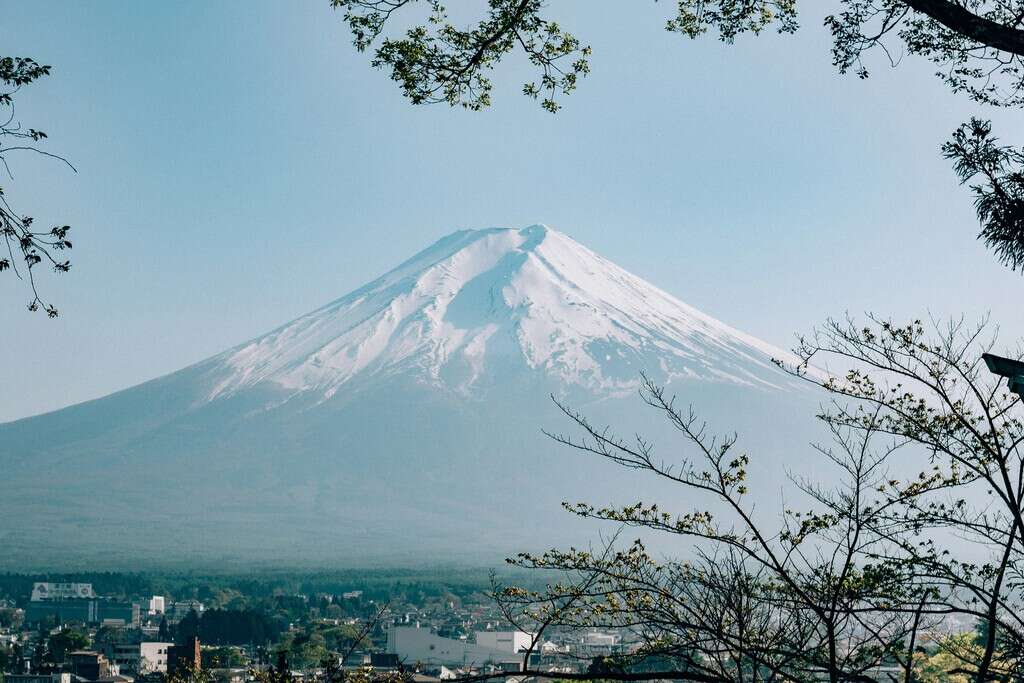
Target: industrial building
{"x": 95, "y": 611}
{"x": 66, "y": 603}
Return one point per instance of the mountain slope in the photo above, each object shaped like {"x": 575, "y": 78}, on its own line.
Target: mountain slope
{"x": 399, "y": 422}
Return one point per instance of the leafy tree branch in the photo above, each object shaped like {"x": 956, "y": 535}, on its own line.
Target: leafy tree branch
{"x": 977, "y": 47}
{"x": 26, "y": 247}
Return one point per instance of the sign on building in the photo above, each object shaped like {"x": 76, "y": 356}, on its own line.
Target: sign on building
{"x": 44, "y": 590}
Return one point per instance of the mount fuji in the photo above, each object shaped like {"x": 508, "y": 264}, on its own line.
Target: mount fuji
{"x": 397, "y": 424}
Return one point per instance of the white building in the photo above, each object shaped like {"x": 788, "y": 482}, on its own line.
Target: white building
{"x": 506, "y": 641}
{"x": 141, "y": 658}
{"x": 156, "y": 605}
{"x": 413, "y": 644}
{"x": 598, "y": 640}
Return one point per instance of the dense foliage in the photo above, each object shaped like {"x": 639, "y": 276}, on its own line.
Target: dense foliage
{"x": 67, "y": 640}
{"x": 231, "y": 627}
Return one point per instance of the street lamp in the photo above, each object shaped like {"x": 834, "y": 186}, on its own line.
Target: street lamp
{"x": 1009, "y": 368}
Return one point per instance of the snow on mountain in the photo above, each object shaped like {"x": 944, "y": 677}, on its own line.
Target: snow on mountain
{"x": 476, "y": 296}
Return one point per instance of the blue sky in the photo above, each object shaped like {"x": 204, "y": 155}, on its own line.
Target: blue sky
{"x": 240, "y": 164}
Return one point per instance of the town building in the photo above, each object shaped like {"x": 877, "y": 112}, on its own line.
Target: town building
{"x": 77, "y": 603}
{"x": 84, "y": 611}
{"x": 413, "y": 644}
{"x": 141, "y": 658}
{"x": 157, "y": 605}
{"x": 56, "y": 677}
{"x": 506, "y": 641}
{"x": 185, "y": 657}
{"x": 595, "y": 641}
{"x": 94, "y": 667}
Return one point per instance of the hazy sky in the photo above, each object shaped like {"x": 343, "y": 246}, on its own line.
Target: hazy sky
{"x": 240, "y": 164}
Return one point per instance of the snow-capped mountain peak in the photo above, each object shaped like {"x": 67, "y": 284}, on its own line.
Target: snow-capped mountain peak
{"x": 478, "y": 303}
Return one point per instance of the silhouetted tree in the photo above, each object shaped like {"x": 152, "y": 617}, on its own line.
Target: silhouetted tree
{"x": 7, "y": 661}
{"x": 18, "y": 658}
{"x": 25, "y": 246}
{"x": 281, "y": 672}
{"x": 188, "y": 673}
{"x": 236, "y": 627}
{"x": 222, "y": 658}
{"x": 977, "y": 45}
{"x": 65, "y": 641}
{"x": 996, "y": 176}
{"x": 188, "y": 628}
{"x": 40, "y": 655}
{"x": 108, "y": 636}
